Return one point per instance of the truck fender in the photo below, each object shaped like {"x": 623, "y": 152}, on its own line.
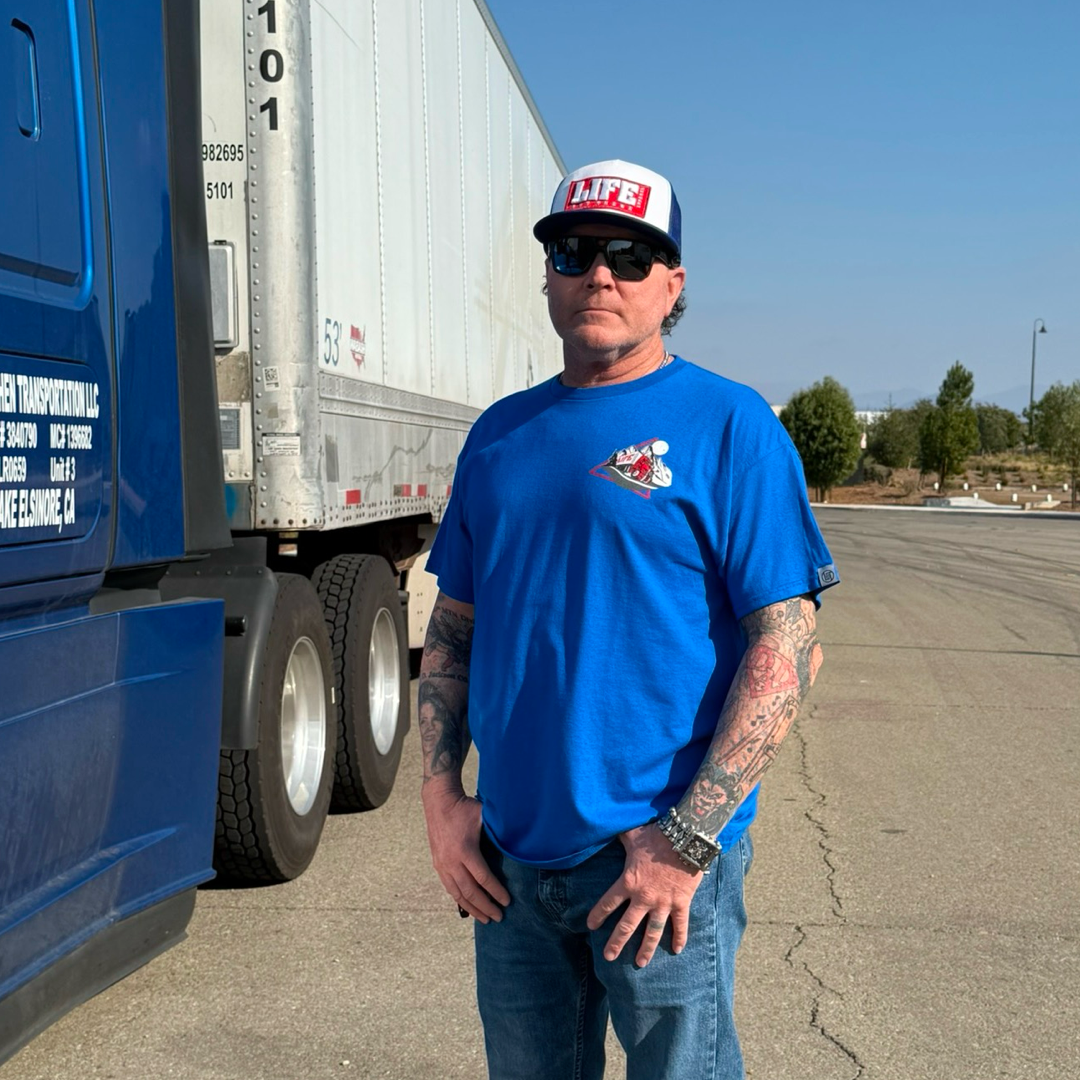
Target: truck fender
{"x": 239, "y": 576}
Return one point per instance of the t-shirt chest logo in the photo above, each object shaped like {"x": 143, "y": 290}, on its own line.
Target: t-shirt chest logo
{"x": 639, "y": 468}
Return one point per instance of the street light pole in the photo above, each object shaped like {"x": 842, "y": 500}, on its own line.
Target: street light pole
{"x": 1035, "y": 328}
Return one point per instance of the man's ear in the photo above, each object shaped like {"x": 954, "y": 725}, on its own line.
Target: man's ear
{"x": 676, "y": 284}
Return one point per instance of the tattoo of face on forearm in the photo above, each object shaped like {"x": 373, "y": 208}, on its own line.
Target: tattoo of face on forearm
{"x": 443, "y": 727}
{"x": 443, "y": 697}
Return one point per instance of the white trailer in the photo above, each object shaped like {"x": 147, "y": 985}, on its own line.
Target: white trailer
{"x": 373, "y": 169}
{"x": 372, "y": 172}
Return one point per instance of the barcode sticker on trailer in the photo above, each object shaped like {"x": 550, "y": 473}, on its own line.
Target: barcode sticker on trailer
{"x": 281, "y": 445}
{"x": 230, "y": 428}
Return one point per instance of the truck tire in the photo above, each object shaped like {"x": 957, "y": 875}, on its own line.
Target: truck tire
{"x": 369, "y": 644}
{"x": 273, "y": 800}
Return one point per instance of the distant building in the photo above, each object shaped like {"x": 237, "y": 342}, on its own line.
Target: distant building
{"x": 865, "y": 416}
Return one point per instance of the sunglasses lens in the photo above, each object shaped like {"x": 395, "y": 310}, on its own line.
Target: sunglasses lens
{"x": 573, "y": 255}
{"x": 630, "y": 260}
{"x": 563, "y": 255}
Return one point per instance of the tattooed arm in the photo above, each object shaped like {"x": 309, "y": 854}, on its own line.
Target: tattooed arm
{"x": 779, "y": 667}
{"x": 453, "y": 818}
{"x": 444, "y": 693}
{"x": 780, "y": 663}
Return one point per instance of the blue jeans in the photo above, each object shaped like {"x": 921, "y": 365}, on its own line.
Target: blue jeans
{"x": 545, "y": 990}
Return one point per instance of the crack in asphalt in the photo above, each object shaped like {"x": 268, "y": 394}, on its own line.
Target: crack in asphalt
{"x": 819, "y": 826}
{"x": 789, "y": 958}
{"x": 836, "y": 901}
{"x": 820, "y": 1028}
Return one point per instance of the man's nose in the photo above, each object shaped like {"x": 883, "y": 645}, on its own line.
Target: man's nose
{"x": 599, "y": 273}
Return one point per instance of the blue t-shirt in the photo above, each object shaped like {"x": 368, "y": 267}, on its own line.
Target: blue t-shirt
{"x": 610, "y": 539}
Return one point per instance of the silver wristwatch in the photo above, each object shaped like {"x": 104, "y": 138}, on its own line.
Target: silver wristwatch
{"x": 696, "y": 849}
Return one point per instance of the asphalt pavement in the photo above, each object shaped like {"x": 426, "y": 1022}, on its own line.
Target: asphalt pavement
{"x": 914, "y": 901}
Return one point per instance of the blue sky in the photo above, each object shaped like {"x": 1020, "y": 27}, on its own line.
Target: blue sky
{"x": 870, "y": 190}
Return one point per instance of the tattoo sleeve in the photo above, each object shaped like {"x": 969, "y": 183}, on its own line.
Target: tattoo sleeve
{"x": 444, "y": 690}
{"x": 781, "y": 661}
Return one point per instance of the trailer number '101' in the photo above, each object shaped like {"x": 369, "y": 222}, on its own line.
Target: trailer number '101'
{"x": 271, "y": 64}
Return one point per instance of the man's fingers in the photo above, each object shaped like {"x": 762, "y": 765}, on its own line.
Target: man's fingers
{"x": 483, "y": 876}
{"x": 611, "y": 901}
{"x": 654, "y": 931}
{"x": 624, "y": 931}
{"x": 680, "y": 929}
{"x": 454, "y": 838}
{"x": 477, "y": 890}
{"x": 471, "y": 898}
{"x": 479, "y": 905}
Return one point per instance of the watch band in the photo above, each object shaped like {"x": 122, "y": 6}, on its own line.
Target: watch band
{"x": 696, "y": 849}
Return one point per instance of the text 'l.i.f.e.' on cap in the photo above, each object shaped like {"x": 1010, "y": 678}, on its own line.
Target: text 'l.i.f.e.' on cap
{"x": 615, "y": 193}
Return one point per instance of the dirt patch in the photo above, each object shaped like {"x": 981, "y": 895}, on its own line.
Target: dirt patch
{"x": 995, "y": 482}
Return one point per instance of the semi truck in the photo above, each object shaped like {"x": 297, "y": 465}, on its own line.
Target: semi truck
{"x": 262, "y": 263}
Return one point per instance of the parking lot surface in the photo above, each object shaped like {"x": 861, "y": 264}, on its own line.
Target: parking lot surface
{"x": 914, "y": 902}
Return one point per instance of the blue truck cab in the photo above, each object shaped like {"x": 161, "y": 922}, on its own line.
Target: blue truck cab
{"x": 110, "y": 475}
{"x": 184, "y": 691}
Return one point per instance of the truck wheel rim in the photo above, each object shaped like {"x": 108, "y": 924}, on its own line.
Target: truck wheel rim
{"x": 384, "y": 683}
{"x": 303, "y": 725}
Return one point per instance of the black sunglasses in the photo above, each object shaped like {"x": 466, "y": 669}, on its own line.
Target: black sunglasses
{"x": 630, "y": 260}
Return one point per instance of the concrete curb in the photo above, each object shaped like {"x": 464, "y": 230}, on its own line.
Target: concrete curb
{"x": 997, "y": 511}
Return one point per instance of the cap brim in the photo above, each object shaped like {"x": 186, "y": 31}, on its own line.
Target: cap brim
{"x": 555, "y": 225}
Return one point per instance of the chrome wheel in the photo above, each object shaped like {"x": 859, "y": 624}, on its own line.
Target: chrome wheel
{"x": 303, "y": 725}
{"x": 384, "y": 681}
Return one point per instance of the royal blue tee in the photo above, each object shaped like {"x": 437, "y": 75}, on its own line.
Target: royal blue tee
{"x": 610, "y": 539}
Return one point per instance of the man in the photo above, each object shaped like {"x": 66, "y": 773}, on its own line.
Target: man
{"x": 626, "y": 654}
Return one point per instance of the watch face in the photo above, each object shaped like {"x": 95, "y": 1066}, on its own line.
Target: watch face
{"x": 699, "y": 851}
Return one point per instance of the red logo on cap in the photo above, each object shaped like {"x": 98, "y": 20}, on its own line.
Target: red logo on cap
{"x": 608, "y": 193}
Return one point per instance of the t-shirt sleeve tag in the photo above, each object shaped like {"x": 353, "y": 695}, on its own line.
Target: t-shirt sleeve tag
{"x": 826, "y": 575}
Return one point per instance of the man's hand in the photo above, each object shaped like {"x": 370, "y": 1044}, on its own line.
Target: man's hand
{"x": 453, "y": 819}
{"x": 659, "y": 886}
{"x": 453, "y": 828}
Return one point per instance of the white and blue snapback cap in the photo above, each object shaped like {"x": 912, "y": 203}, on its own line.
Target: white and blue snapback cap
{"x": 615, "y": 193}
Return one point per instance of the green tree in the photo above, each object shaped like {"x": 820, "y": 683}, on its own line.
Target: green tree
{"x": 893, "y": 438}
{"x": 822, "y": 425}
{"x": 949, "y": 433}
{"x": 999, "y": 429}
{"x": 1057, "y": 427}
{"x": 956, "y": 388}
